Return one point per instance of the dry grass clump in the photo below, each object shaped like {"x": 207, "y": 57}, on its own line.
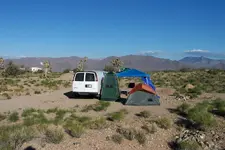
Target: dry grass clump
{"x": 144, "y": 114}
{"x": 99, "y": 106}
{"x": 164, "y": 123}
{"x": 117, "y": 116}
{"x": 54, "y": 135}
{"x": 131, "y": 134}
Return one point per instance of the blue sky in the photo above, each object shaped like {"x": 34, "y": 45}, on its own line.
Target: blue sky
{"x": 99, "y": 28}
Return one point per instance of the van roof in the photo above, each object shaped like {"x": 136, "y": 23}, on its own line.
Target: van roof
{"x": 97, "y": 71}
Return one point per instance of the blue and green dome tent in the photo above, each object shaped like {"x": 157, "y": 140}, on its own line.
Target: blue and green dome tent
{"x": 136, "y": 73}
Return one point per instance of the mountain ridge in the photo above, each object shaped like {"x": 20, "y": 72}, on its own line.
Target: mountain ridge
{"x": 141, "y": 62}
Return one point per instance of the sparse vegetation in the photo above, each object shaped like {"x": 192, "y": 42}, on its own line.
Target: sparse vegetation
{"x": 13, "y": 117}
{"x": 99, "y": 106}
{"x": 54, "y": 135}
{"x": 164, "y": 123}
{"x": 183, "y": 109}
{"x": 13, "y": 137}
{"x": 117, "y": 116}
{"x": 150, "y": 128}
{"x": 202, "y": 80}
{"x": 117, "y": 138}
{"x": 131, "y": 134}
{"x": 2, "y": 117}
{"x": 74, "y": 129}
{"x": 144, "y": 114}
{"x": 188, "y": 145}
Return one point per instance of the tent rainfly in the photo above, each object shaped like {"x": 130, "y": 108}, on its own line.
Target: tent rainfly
{"x": 141, "y": 94}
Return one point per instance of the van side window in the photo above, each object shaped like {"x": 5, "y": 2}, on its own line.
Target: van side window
{"x": 79, "y": 77}
{"x": 90, "y": 77}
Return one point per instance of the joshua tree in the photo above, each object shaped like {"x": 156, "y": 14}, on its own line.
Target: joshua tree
{"x": 47, "y": 67}
{"x": 117, "y": 64}
{"x": 81, "y": 64}
{"x": 2, "y": 63}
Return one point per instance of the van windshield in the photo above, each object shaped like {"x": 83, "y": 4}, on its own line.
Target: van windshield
{"x": 79, "y": 77}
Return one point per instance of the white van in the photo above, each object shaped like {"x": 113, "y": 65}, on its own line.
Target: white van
{"x": 87, "y": 82}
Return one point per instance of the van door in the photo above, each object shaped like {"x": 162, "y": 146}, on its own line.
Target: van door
{"x": 91, "y": 82}
{"x": 79, "y": 83}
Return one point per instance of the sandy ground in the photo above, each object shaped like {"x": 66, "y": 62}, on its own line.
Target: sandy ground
{"x": 97, "y": 139}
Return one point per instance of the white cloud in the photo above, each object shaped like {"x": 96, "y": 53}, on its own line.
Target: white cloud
{"x": 197, "y": 51}
{"x": 150, "y": 52}
{"x": 206, "y": 53}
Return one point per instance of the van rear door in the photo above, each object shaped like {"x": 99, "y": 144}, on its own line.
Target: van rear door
{"x": 91, "y": 82}
{"x": 79, "y": 83}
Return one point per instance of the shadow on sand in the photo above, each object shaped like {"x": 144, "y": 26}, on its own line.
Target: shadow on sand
{"x": 30, "y": 148}
{"x": 71, "y": 95}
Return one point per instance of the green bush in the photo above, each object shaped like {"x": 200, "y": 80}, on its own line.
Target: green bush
{"x": 117, "y": 116}
{"x": 188, "y": 145}
{"x": 13, "y": 117}
{"x": 200, "y": 115}
{"x": 183, "y": 108}
{"x": 74, "y": 129}
{"x": 11, "y": 70}
{"x": 13, "y": 137}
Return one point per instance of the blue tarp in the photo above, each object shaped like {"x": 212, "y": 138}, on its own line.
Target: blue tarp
{"x": 136, "y": 73}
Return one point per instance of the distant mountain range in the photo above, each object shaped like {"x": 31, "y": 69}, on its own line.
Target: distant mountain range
{"x": 203, "y": 62}
{"x": 144, "y": 63}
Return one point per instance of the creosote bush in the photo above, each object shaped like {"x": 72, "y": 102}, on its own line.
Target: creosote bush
{"x": 13, "y": 117}
{"x": 164, "y": 123}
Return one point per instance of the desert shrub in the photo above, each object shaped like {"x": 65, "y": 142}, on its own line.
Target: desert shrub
{"x": 13, "y": 117}
{"x": 183, "y": 108}
{"x": 109, "y": 68}
{"x": 200, "y": 116}
{"x": 6, "y": 95}
{"x": 35, "y": 119}
{"x": 140, "y": 137}
{"x": 11, "y": 70}
{"x": 117, "y": 116}
{"x": 188, "y": 145}
{"x": 66, "y": 71}
{"x": 2, "y": 117}
{"x": 150, "y": 128}
{"x": 54, "y": 135}
{"x": 60, "y": 116}
{"x": 74, "y": 129}
{"x": 219, "y": 107}
{"x": 99, "y": 106}
{"x": 117, "y": 138}
{"x": 29, "y": 111}
{"x": 66, "y": 84}
{"x": 98, "y": 123}
{"x": 13, "y": 137}
{"x": 144, "y": 114}
{"x": 128, "y": 133}
{"x": 164, "y": 123}
{"x": 37, "y": 92}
